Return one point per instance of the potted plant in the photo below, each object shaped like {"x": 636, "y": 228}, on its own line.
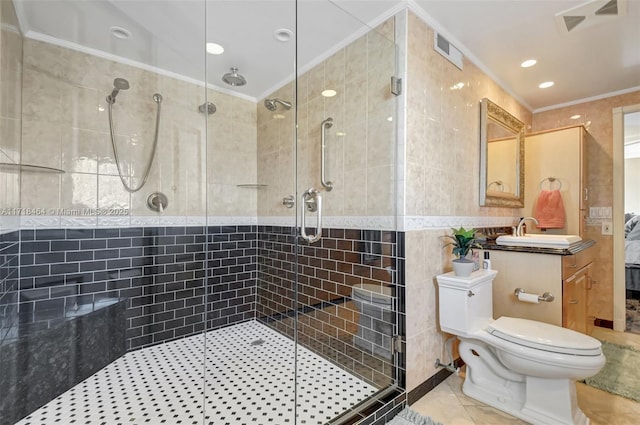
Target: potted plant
{"x": 463, "y": 242}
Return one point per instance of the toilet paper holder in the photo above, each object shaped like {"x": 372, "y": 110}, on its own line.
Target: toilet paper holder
{"x": 547, "y": 296}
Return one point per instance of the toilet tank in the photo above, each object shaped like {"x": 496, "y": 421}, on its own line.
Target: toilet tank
{"x": 465, "y": 303}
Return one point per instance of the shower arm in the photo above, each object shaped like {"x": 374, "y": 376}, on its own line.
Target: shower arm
{"x": 328, "y": 123}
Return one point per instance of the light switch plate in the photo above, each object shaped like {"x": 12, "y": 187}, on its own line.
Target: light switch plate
{"x": 607, "y": 228}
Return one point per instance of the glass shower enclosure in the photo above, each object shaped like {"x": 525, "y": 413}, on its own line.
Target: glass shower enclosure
{"x": 198, "y": 212}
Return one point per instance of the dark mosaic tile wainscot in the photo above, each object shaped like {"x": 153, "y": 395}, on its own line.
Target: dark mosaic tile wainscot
{"x": 177, "y": 280}
{"x": 9, "y": 262}
{"x": 326, "y": 273}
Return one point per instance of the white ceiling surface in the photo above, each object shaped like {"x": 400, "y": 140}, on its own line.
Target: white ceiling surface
{"x": 596, "y": 61}
{"x": 171, "y": 34}
{"x": 600, "y": 59}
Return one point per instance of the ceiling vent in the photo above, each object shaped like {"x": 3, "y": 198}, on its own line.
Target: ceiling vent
{"x": 448, "y": 50}
{"x": 586, "y": 15}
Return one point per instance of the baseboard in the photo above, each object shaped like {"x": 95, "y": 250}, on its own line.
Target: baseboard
{"x": 421, "y": 390}
{"x": 603, "y": 323}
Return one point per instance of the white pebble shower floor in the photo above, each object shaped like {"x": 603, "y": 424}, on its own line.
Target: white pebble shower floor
{"x": 245, "y": 384}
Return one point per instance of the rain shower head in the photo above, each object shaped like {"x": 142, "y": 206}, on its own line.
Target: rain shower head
{"x": 118, "y": 84}
{"x": 272, "y": 104}
{"x": 233, "y": 78}
{"x": 207, "y": 108}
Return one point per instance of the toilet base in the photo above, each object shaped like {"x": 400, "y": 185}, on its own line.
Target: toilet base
{"x": 538, "y": 401}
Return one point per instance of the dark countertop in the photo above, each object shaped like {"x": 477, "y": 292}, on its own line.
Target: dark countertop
{"x": 573, "y": 249}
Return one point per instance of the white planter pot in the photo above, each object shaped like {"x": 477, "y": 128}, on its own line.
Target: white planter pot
{"x": 463, "y": 267}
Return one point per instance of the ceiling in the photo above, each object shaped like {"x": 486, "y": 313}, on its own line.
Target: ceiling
{"x": 600, "y": 56}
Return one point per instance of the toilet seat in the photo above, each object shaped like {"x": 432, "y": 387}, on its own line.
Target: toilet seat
{"x": 543, "y": 336}
{"x": 377, "y": 294}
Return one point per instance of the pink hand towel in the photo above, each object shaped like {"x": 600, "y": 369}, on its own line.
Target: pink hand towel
{"x": 549, "y": 210}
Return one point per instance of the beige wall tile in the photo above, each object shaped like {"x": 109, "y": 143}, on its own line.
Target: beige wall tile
{"x": 79, "y": 190}
{"x": 40, "y": 190}
{"x": 111, "y": 193}
{"x": 10, "y": 98}
{"x": 41, "y": 142}
{"x": 360, "y": 146}
{"x": 10, "y": 129}
{"x": 231, "y": 200}
{"x": 442, "y": 178}
{"x": 11, "y": 67}
{"x": 598, "y": 118}
{"x": 58, "y": 80}
{"x": 82, "y": 150}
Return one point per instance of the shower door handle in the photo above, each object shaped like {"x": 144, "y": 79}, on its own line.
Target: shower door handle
{"x": 328, "y": 123}
{"x": 311, "y": 201}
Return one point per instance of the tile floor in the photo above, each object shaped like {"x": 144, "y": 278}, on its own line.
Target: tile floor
{"x": 447, "y": 404}
{"x": 249, "y": 380}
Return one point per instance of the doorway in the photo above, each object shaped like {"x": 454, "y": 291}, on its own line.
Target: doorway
{"x": 627, "y": 216}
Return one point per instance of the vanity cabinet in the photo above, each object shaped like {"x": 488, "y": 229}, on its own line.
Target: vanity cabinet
{"x": 567, "y": 277}
{"x": 576, "y": 283}
{"x": 574, "y": 301}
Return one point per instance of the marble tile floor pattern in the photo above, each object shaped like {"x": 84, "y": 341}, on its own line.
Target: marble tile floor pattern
{"x": 448, "y": 405}
{"x": 249, "y": 380}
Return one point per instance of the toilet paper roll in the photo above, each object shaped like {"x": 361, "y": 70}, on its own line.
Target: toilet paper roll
{"x": 528, "y": 298}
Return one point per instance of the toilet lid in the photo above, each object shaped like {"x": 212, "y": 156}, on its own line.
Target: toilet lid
{"x": 543, "y": 336}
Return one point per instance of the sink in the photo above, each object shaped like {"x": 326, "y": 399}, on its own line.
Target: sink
{"x": 539, "y": 240}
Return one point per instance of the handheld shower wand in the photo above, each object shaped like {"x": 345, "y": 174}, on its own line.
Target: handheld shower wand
{"x": 118, "y": 84}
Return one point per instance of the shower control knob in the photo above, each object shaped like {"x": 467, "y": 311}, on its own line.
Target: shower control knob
{"x": 289, "y": 201}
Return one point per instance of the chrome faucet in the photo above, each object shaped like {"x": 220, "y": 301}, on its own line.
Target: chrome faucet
{"x": 519, "y": 229}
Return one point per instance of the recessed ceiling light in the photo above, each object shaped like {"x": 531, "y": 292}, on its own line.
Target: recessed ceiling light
{"x": 546, "y": 84}
{"x": 528, "y": 63}
{"x": 121, "y": 33}
{"x": 214, "y": 49}
{"x": 329, "y": 93}
{"x": 575, "y": 117}
{"x": 283, "y": 34}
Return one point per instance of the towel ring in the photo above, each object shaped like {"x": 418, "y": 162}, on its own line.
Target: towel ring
{"x": 498, "y": 184}
{"x": 551, "y": 181}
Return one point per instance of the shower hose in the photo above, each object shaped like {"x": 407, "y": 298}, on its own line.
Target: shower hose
{"x": 158, "y": 99}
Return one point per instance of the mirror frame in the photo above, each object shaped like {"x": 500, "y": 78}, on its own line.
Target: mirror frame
{"x": 491, "y": 111}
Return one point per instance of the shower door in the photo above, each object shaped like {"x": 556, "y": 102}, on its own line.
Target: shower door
{"x": 326, "y": 212}
{"x": 301, "y": 173}
{"x": 250, "y": 361}
{"x": 347, "y": 279}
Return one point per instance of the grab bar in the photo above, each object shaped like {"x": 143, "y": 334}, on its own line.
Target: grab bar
{"x": 328, "y": 123}
{"x": 311, "y": 200}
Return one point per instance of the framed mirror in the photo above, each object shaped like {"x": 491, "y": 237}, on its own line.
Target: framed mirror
{"x": 501, "y": 157}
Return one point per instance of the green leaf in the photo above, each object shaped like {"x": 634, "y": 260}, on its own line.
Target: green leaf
{"x": 463, "y": 241}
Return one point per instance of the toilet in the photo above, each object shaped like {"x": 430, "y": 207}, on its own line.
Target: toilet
{"x": 375, "y": 322}
{"x": 523, "y": 367}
